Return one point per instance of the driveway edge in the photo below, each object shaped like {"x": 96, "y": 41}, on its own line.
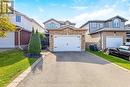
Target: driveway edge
{"x": 110, "y": 62}
{"x": 21, "y": 77}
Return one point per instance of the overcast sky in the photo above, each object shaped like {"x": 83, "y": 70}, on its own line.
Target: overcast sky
{"x": 77, "y": 11}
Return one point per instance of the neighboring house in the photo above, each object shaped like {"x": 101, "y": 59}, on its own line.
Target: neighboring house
{"x": 63, "y": 36}
{"x": 127, "y": 34}
{"x": 106, "y": 33}
{"x": 21, "y": 37}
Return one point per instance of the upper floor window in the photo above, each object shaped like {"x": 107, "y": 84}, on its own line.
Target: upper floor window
{"x": 18, "y": 18}
{"x": 101, "y": 25}
{"x": 51, "y": 25}
{"x": 116, "y": 23}
{"x": 94, "y": 25}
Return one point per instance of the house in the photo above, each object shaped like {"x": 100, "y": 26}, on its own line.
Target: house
{"x": 21, "y": 36}
{"x": 63, "y": 36}
{"x": 109, "y": 33}
{"x": 127, "y": 34}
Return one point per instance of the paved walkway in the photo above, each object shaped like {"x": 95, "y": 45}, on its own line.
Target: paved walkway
{"x": 75, "y": 69}
{"x": 2, "y": 50}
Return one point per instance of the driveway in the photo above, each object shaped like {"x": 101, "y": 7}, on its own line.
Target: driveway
{"x": 74, "y": 69}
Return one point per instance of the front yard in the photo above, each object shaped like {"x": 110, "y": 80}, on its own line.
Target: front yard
{"x": 121, "y": 62}
{"x": 12, "y": 63}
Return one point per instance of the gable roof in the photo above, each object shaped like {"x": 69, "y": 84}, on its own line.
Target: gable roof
{"x": 60, "y": 22}
{"x": 51, "y": 20}
{"x": 30, "y": 19}
{"x": 110, "y": 19}
{"x": 123, "y": 19}
{"x": 69, "y": 27}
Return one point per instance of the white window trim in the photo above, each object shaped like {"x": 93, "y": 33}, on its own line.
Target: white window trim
{"x": 116, "y": 23}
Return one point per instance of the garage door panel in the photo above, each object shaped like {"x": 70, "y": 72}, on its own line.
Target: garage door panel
{"x": 67, "y": 43}
{"x": 114, "y": 42}
{"x": 8, "y": 41}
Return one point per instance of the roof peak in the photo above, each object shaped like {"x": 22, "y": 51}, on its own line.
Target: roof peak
{"x": 117, "y": 16}
{"x": 61, "y": 22}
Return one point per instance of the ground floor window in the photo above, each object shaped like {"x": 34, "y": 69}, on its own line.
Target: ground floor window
{"x": 127, "y": 40}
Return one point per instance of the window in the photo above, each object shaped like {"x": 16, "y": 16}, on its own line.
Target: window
{"x": 51, "y": 25}
{"x": 18, "y": 18}
{"x": 93, "y": 25}
{"x": 101, "y": 25}
{"x": 128, "y": 35}
{"x": 127, "y": 40}
{"x": 116, "y": 23}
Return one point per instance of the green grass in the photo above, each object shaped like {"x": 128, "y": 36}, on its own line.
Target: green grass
{"x": 12, "y": 63}
{"x": 121, "y": 62}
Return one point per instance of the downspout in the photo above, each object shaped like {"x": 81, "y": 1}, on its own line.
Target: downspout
{"x": 19, "y": 39}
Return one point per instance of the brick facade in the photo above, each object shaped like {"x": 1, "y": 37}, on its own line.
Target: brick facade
{"x": 67, "y": 31}
{"x": 100, "y": 38}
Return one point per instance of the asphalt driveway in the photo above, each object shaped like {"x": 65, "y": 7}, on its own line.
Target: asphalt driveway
{"x": 75, "y": 69}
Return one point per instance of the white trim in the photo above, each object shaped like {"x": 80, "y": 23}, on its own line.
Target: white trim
{"x": 19, "y": 39}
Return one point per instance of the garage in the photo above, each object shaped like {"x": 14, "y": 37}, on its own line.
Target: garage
{"x": 114, "y": 42}
{"x": 8, "y": 41}
{"x": 67, "y": 39}
{"x": 67, "y": 43}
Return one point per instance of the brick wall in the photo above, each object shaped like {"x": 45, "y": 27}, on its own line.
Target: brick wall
{"x": 67, "y": 31}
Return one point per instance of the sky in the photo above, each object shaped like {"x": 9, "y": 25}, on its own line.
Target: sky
{"x": 77, "y": 11}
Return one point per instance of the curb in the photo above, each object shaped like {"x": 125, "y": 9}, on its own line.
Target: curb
{"x": 21, "y": 77}
{"x": 110, "y": 62}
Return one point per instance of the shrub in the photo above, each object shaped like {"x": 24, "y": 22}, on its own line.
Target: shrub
{"x": 34, "y": 43}
{"x": 42, "y": 36}
{"x": 38, "y": 42}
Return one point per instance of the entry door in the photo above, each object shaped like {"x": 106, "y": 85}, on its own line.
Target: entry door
{"x": 67, "y": 43}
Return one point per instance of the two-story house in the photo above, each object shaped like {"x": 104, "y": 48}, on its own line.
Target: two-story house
{"x": 109, "y": 33}
{"x": 127, "y": 34}
{"x": 63, "y": 36}
{"x": 21, "y": 37}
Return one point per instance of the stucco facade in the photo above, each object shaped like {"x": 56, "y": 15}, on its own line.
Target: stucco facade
{"x": 67, "y": 31}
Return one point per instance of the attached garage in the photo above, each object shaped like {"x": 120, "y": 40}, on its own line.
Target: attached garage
{"x": 67, "y": 39}
{"x": 8, "y": 41}
{"x": 114, "y": 42}
{"x": 67, "y": 43}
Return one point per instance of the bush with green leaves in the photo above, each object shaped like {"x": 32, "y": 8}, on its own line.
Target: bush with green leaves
{"x": 42, "y": 36}
{"x": 34, "y": 43}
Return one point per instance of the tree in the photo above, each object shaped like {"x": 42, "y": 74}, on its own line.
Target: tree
{"x": 34, "y": 43}
{"x": 6, "y": 26}
{"x": 42, "y": 36}
{"x": 38, "y": 40}
{"x": 31, "y": 43}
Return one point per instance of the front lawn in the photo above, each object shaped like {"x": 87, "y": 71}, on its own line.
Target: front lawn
{"x": 12, "y": 63}
{"x": 113, "y": 59}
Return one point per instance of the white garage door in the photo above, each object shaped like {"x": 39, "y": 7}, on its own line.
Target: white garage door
{"x": 67, "y": 43}
{"x": 8, "y": 41}
{"x": 114, "y": 42}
